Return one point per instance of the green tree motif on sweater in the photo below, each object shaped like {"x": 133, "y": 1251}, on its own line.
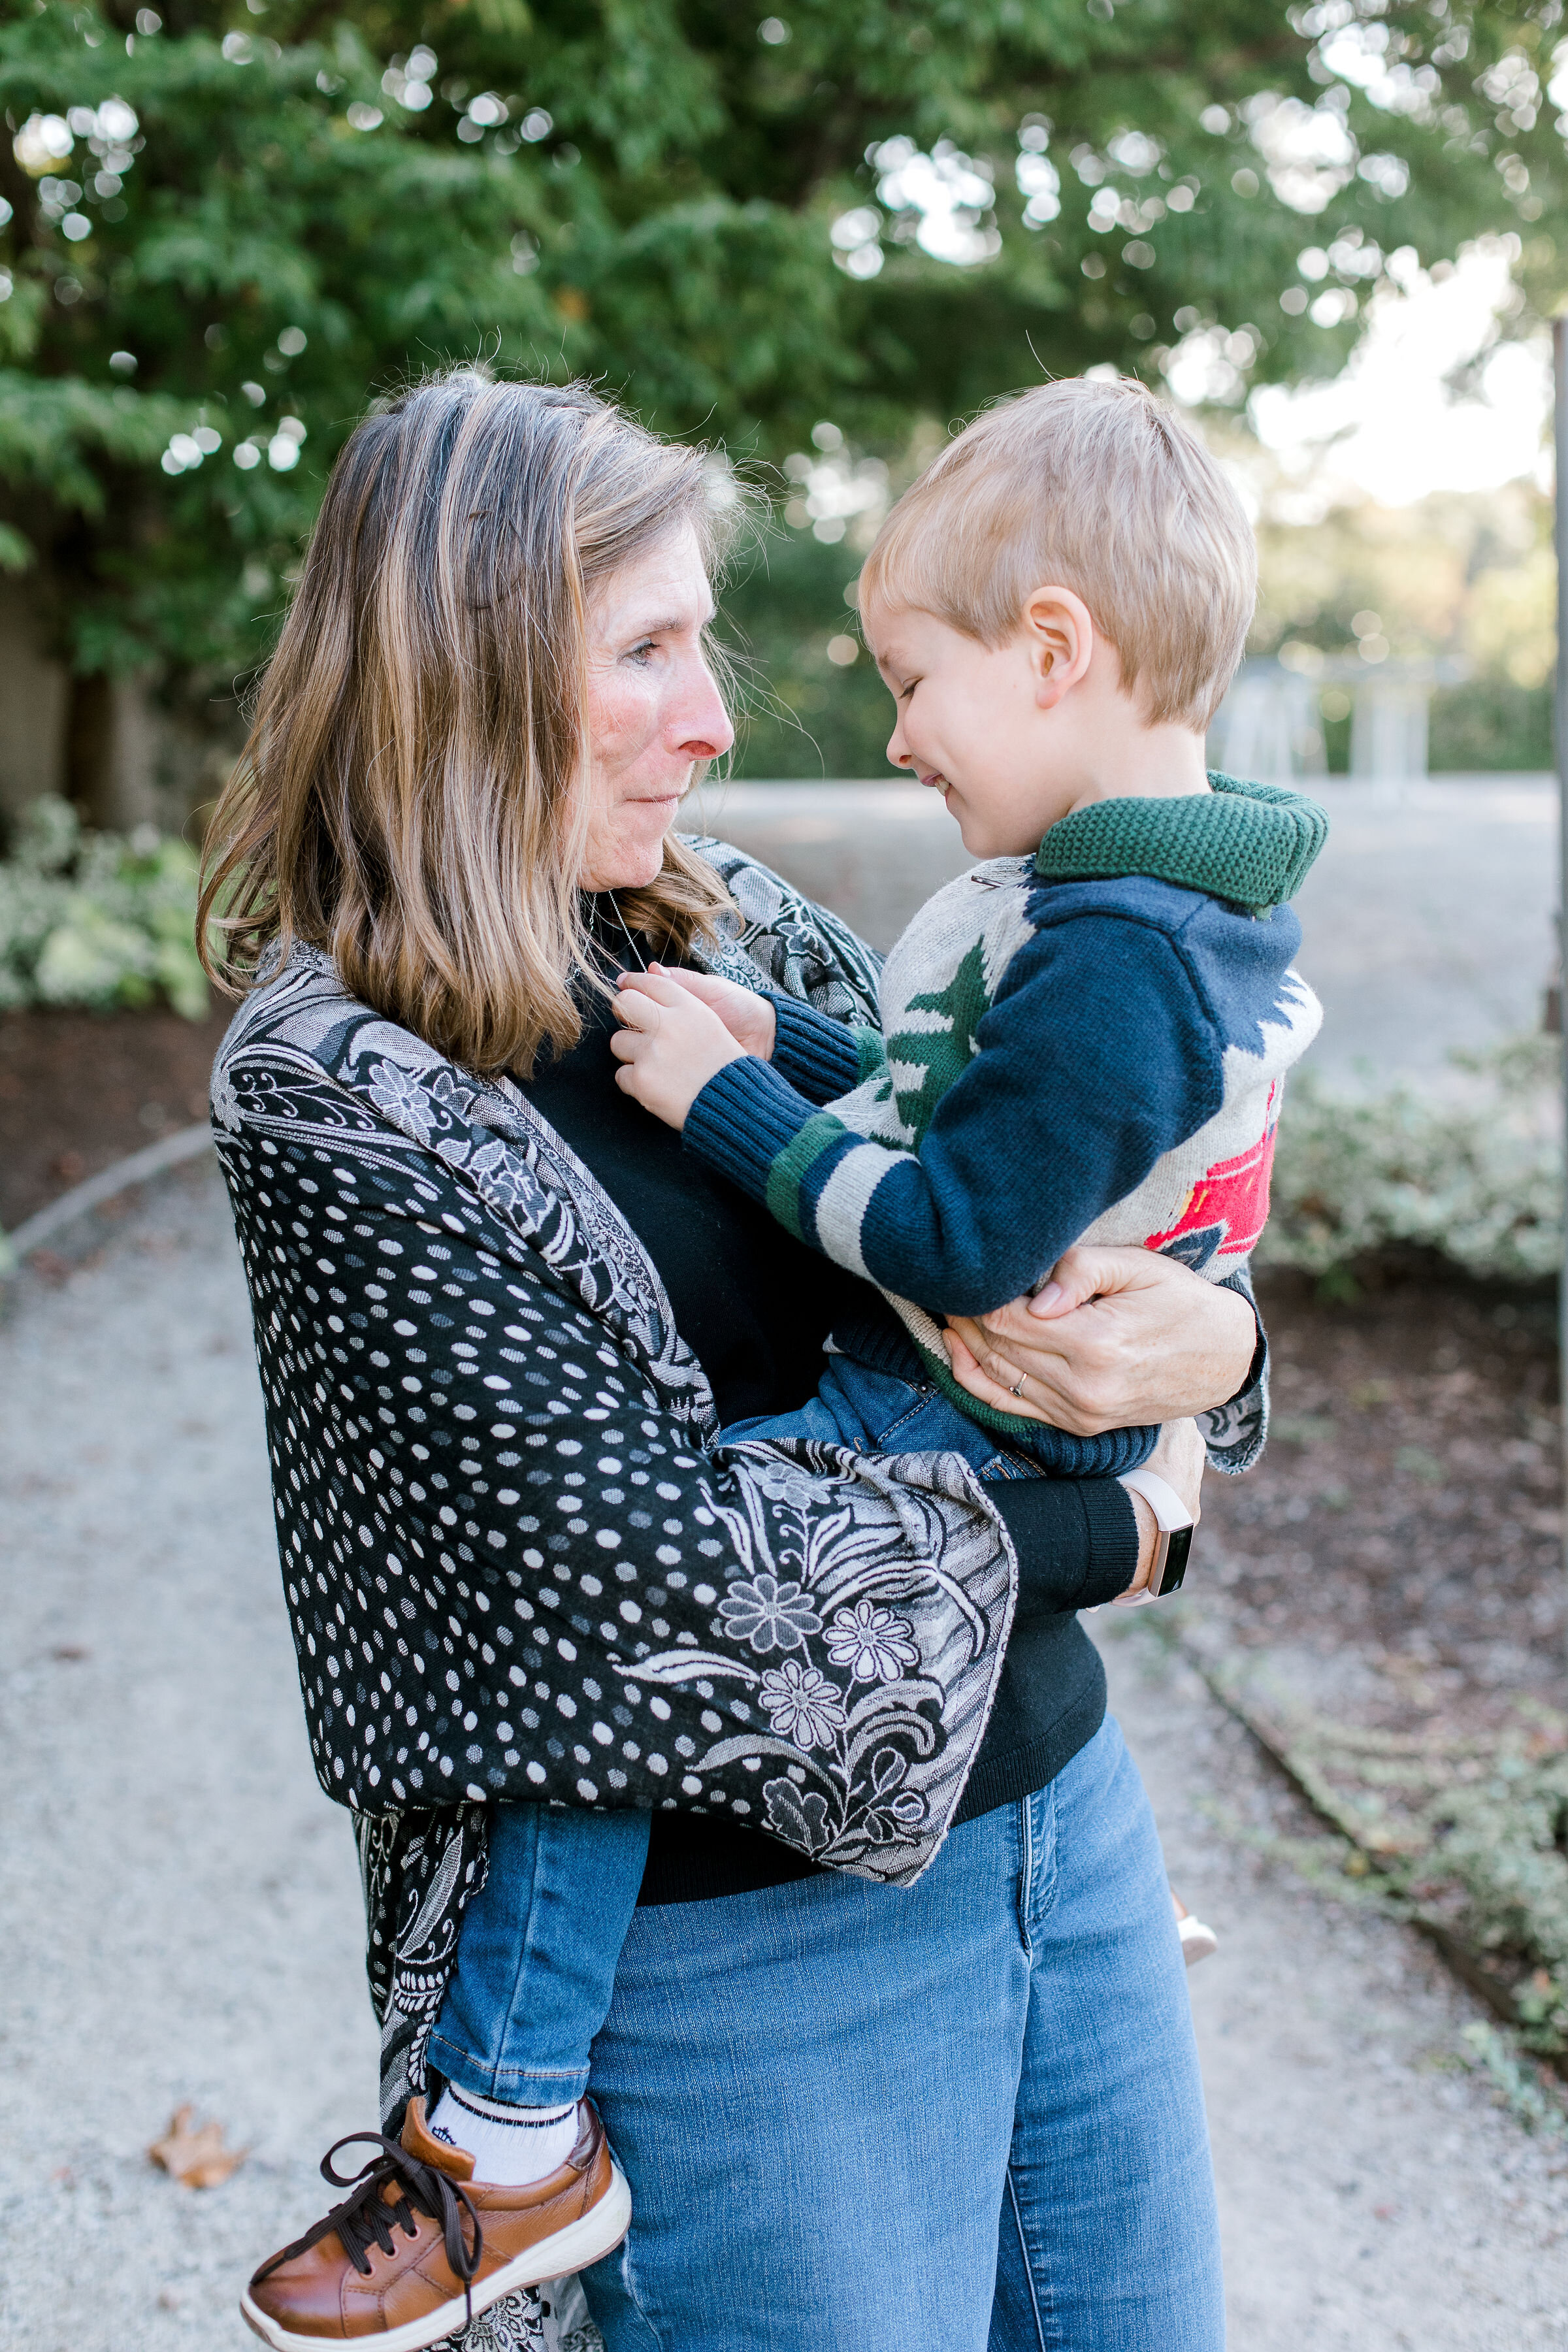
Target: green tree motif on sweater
{"x": 939, "y": 1056}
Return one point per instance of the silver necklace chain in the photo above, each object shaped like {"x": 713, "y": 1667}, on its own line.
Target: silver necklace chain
{"x": 626, "y": 934}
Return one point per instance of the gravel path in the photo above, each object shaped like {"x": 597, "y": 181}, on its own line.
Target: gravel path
{"x": 1372, "y": 2196}
{"x": 180, "y": 1919}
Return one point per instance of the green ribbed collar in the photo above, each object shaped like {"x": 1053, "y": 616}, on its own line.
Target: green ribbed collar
{"x": 1250, "y": 844}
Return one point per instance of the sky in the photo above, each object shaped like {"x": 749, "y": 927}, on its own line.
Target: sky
{"x": 1402, "y": 434}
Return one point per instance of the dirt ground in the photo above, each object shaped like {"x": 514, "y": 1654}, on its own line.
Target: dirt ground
{"x": 1382, "y": 1602}
{"x": 1404, "y": 1526}
{"x": 78, "y": 1090}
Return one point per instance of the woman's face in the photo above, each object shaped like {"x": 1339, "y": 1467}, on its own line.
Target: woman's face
{"x": 653, "y": 709}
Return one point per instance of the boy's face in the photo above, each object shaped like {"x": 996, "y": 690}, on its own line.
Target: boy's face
{"x": 969, "y": 725}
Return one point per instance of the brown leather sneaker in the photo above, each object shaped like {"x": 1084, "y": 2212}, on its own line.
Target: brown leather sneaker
{"x": 419, "y": 2245}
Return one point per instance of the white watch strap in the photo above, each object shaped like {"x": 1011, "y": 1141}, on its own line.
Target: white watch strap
{"x": 1170, "y": 1511}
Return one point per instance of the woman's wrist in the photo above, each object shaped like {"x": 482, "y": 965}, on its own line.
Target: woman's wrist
{"x": 1148, "y": 1541}
{"x": 1249, "y": 1335}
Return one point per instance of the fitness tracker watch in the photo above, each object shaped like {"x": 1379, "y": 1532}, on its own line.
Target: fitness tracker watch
{"x": 1171, "y": 1545}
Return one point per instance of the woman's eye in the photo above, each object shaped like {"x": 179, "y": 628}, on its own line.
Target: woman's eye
{"x": 645, "y": 652}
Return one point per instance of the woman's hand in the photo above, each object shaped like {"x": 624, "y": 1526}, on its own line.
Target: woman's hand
{"x": 750, "y": 1018}
{"x": 669, "y": 1044}
{"x": 1117, "y": 1339}
{"x": 1180, "y": 1458}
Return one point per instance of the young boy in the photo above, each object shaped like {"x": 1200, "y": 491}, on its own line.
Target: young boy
{"x": 1085, "y": 1038}
{"x": 1074, "y": 1045}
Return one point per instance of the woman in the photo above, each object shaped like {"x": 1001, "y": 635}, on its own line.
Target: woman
{"x": 498, "y": 1312}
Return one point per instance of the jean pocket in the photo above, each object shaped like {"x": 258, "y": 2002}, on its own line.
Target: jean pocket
{"x": 902, "y": 1433}
{"x": 1011, "y": 1465}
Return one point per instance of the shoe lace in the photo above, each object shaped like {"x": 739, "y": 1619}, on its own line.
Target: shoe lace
{"x": 367, "y": 2215}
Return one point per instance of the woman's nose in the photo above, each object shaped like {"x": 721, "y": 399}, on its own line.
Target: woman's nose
{"x": 703, "y": 727}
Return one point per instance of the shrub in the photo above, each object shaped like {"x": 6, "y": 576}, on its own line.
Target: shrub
{"x": 1489, "y": 726}
{"x": 98, "y": 919}
{"x": 1478, "y": 1179}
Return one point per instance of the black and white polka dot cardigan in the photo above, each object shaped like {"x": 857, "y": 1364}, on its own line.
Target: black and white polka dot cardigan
{"x": 514, "y": 1567}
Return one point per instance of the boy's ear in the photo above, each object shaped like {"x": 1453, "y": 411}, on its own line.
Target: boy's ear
{"x": 1060, "y": 633}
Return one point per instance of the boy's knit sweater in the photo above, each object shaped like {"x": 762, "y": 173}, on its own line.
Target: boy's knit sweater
{"x": 1090, "y": 1045}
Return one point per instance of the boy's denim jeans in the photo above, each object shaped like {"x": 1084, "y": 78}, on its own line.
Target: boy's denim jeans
{"x": 536, "y": 1959}
{"x": 875, "y": 1410}
{"x": 878, "y": 1395}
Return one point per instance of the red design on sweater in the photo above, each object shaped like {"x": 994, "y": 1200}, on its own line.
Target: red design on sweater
{"x": 1232, "y": 1198}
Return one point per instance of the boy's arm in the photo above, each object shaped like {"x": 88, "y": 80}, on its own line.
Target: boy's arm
{"x": 822, "y": 1058}
{"x": 1097, "y": 1055}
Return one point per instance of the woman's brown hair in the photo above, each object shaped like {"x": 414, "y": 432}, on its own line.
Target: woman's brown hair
{"x": 408, "y": 799}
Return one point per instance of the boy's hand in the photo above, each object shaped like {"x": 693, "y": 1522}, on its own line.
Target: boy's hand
{"x": 669, "y": 1044}
{"x": 750, "y": 1018}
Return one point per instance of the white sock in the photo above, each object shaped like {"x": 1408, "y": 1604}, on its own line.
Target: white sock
{"x": 510, "y": 2146}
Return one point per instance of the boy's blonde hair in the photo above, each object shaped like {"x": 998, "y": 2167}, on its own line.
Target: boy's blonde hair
{"x": 1092, "y": 486}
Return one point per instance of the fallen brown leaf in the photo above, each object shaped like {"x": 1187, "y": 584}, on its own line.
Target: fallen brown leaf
{"x": 199, "y": 2158}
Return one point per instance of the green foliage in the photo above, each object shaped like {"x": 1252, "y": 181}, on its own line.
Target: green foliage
{"x": 1490, "y": 726}
{"x": 1468, "y": 1837}
{"x": 1487, "y": 727}
{"x": 1469, "y": 575}
{"x": 226, "y": 227}
{"x": 803, "y": 713}
{"x": 95, "y": 919}
{"x": 1478, "y": 1177}
{"x": 1526, "y": 2090}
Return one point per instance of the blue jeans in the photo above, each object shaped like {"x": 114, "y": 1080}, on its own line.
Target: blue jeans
{"x": 962, "y": 2118}
{"x": 877, "y": 1411}
{"x": 536, "y": 1962}
{"x": 878, "y": 1396}
{"x": 536, "y": 1959}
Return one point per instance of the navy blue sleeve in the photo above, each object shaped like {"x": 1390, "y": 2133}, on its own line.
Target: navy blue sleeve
{"x": 1099, "y": 1055}
{"x": 820, "y": 1058}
